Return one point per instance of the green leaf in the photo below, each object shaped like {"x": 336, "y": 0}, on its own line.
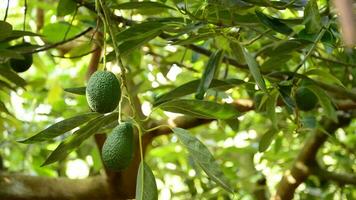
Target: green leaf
{"x": 6, "y": 30}
{"x": 146, "y": 188}
{"x": 77, "y": 90}
{"x": 201, "y": 154}
{"x": 4, "y": 84}
{"x": 61, "y": 128}
{"x": 285, "y": 91}
{"x": 312, "y": 17}
{"x": 271, "y": 104}
{"x": 237, "y": 52}
{"x": 191, "y": 87}
{"x": 194, "y": 38}
{"x": 4, "y": 109}
{"x": 273, "y": 23}
{"x": 255, "y": 70}
{"x": 323, "y": 75}
{"x": 130, "y": 45}
{"x": 200, "y": 109}
{"x": 66, "y": 7}
{"x": 209, "y": 73}
{"x": 143, "y": 5}
{"x": 78, "y": 137}
{"x": 266, "y": 140}
{"x": 325, "y": 102}
{"x": 6, "y": 53}
{"x": 140, "y": 31}
{"x": 12, "y": 77}
{"x": 55, "y": 32}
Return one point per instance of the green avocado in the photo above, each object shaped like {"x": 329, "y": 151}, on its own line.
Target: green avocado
{"x": 117, "y": 152}
{"x": 21, "y": 65}
{"x": 103, "y": 92}
{"x": 306, "y": 99}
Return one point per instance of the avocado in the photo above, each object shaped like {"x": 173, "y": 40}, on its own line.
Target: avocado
{"x": 306, "y": 99}
{"x": 21, "y": 65}
{"x": 103, "y": 92}
{"x": 117, "y": 151}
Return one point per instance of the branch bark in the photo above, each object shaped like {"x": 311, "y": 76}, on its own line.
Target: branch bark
{"x": 340, "y": 178}
{"x": 305, "y": 161}
{"x": 15, "y": 187}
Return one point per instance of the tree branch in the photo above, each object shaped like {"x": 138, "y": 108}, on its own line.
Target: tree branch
{"x": 18, "y": 187}
{"x": 341, "y": 178}
{"x": 301, "y": 168}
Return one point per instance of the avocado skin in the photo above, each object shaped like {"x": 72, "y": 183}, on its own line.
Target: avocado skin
{"x": 19, "y": 65}
{"x": 117, "y": 151}
{"x": 306, "y": 99}
{"x": 103, "y": 92}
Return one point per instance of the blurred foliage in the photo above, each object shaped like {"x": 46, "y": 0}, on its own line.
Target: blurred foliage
{"x": 267, "y": 39}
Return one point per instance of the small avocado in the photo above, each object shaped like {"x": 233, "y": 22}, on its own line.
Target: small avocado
{"x": 103, "y": 92}
{"x": 117, "y": 151}
{"x": 306, "y": 99}
{"x": 21, "y": 65}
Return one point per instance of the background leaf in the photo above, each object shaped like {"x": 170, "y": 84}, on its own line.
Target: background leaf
{"x": 12, "y": 77}
{"x": 203, "y": 157}
{"x": 312, "y": 17}
{"x": 143, "y": 5}
{"x": 273, "y": 23}
{"x": 266, "y": 140}
{"x": 66, "y": 7}
{"x": 191, "y": 86}
{"x": 325, "y": 102}
{"x": 200, "y": 109}
{"x": 6, "y": 29}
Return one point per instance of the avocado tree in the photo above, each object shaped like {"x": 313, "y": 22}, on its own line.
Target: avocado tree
{"x": 177, "y": 99}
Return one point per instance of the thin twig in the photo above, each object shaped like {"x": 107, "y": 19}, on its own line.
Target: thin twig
{"x": 46, "y": 47}
{"x": 78, "y": 56}
{"x": 71, "y": 24}
{"x": 7, "y": 9}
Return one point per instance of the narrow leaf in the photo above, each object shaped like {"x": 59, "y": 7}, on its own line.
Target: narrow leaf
{"x": 191, "y": 87}
{"x": 325, "y": 102}
{"x": 273, "y": 23}
{"x": 237, "y": 52}
{"x": 77, "y": 90}
{"x": 66, "y": 7}
{"x": 6, "y": 53}
{"x": 203, "y": 157}
{"x": 312, "y": 17}
{"x": 61, "y": 128}
{"x": 4, "y": 109}
{"x": 6, "y": 29}
{"x": 130, "y": 45}
{"x": 266, "y": 140}
{"x": 323, "y": 75}
{"x": 255, "y": 70}
{"x": 140, "y": 31}
{"x": 209, "y": 73}
{"x": 143, "y": 5}
{"x": 78, "y": 137}
{"x": 12, "y": 77}
{"x": 200, "y": 109}
{"x": 271, "y": 104}
{"x": 146, "y": 188}
{"x": 194, "y": 39}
